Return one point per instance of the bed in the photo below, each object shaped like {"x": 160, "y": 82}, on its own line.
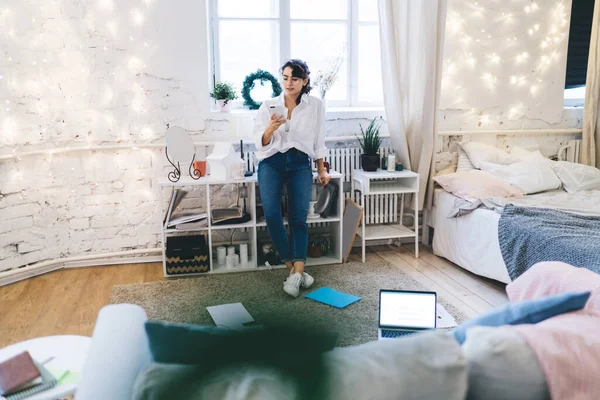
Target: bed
{"x": 472, "y": 241}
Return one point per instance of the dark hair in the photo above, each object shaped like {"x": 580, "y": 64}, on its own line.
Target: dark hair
{"x": 299, "y": 70}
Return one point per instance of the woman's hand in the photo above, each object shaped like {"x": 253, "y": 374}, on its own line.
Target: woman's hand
{"x": 324, "y": 177}
{"x": 275, "y": 123}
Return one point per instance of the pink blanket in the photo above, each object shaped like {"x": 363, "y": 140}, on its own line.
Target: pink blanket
{"x": 568, "y": 345}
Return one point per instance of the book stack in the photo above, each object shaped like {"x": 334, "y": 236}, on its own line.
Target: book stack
{"x": 186, "y": 220}
{"x": 21, "y": 376}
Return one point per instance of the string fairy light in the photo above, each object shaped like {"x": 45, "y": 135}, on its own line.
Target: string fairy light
{"x": 505, "y": 57}
{"x": 22, "y": 44}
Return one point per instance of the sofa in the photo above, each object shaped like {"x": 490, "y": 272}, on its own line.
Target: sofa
{"x": 496, "y": 358}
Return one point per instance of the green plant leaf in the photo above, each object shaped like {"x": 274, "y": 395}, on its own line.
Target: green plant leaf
{"x": 371, "y": 139}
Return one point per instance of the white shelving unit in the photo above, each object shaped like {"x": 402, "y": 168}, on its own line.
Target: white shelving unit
{"x": 252, "y": 229}
{"x": 384, "y": 182}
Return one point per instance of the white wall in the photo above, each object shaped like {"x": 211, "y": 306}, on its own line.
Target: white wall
{"x": 90, "y": 72}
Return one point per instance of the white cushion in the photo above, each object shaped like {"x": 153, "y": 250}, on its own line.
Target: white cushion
{"x": 424, "y": 366}
{"x": 464, "y": 164}
{"x": 481, "y": 152}
{"x": 577, "y": 177}
{"x": 532, "y": 175}
{"x": 502, "y": 366}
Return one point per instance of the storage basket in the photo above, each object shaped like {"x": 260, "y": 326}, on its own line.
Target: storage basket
{"x": 187, "y": 255}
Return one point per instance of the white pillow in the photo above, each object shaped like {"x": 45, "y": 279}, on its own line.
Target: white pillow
{"x": 576, "y": 177}
{"x": 502, "y": 366}
{"x": 519, "y": 154}
{"x": 464, "y": 164}
{"x": 481, "y": 152}
{"x": 532, "y": 175}
{"x": 422, "y": 366}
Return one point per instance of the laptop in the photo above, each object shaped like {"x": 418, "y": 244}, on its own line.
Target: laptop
{"x": 405, "y": 312}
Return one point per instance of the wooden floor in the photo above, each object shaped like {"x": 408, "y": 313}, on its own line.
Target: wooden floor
{"x": 67, "y": 301}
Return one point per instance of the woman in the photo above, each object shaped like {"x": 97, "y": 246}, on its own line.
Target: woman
{"x": 285, "y": 149}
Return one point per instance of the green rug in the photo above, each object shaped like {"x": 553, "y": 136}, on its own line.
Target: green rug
{"x": 185, "y": 300}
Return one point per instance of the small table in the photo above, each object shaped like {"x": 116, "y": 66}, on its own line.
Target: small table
{"x": 69, "y": 352}
{"x": 394, "y": 183}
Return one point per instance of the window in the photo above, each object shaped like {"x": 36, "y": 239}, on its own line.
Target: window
{"x": 263, "y": 34}
{"x": 580, "y": 30}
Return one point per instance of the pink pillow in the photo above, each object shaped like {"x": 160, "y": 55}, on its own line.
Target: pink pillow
{"x": 475, "y": 185}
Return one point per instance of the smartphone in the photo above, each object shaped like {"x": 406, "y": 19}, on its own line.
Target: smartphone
{"x": 278, "y": 110}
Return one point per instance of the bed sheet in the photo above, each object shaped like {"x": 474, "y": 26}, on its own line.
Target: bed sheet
{"x": 470, "y": 241}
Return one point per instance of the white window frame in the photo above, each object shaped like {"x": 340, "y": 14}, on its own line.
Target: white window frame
{"x": 284, "y": 20}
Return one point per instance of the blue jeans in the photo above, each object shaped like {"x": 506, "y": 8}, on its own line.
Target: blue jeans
{"x": 291, "y": 168}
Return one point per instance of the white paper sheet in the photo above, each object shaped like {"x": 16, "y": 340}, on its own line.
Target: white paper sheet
{"x": 444, "y": 319}
{"x": 230, "y": 316}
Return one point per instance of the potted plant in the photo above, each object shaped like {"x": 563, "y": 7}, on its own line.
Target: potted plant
{"x": 223, "y": 93}
{"x": 318, "y": 245}
{"x": 370, "y": 142}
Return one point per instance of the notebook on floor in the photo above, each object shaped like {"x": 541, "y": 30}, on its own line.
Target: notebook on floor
{"x": 332, "y": 297}
{"x": 405, "y": 312}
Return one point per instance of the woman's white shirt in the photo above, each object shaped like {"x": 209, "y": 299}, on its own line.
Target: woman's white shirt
{"x": 305, "y": 130}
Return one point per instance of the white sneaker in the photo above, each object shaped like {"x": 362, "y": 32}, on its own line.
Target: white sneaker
{"x": 292, "y": 284}
{"x": 307, "y": 280}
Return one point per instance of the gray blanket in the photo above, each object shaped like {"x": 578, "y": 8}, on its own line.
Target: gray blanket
{"x": 529, "y": 235}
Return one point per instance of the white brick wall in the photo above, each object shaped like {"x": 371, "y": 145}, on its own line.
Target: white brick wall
{"x": 69, "y": 81}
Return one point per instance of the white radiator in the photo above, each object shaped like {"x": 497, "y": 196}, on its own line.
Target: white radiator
{"x": 379, "y": 208}
{"x": 570, "y": 152}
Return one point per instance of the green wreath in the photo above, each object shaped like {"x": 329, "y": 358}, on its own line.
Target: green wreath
{"x": 249, "y": 85}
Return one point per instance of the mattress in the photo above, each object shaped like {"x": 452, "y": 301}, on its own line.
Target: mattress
{"x": 470, "y": 241}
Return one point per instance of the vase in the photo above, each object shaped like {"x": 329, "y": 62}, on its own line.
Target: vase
{"x": 369, "y": 163}
{"x": 314, "y": 251}
{"x": 223, "y": 106}
{"x": 324, "y": 97}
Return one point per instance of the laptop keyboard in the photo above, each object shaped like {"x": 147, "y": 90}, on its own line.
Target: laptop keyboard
{"x": 388, "y": 333}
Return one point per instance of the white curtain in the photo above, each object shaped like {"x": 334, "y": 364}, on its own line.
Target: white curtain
{"x": 590, "y": 144}
{"x": 412, "y": 41}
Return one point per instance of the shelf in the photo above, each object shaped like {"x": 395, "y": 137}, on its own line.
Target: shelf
{"x": 186, "y": 180}
{"x": 392, "y": 231}
{"x": 390, "y": 187}
{"x": 245, "y": 232}
{"x": 207, "y": 180}
{"x": 249, "y": 266}
{"x": 308, "y": 221}
{"x": 171, "y": 231}
{"x": 248, "y": 224}
{"x": 384, "y": 174}
{"x": 328, "y": 259}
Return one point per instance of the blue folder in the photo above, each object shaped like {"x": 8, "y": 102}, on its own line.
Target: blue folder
{"x": 332, "y": 297}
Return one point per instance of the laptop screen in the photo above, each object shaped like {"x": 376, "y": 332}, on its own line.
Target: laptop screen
{"x": 404, "y": 309}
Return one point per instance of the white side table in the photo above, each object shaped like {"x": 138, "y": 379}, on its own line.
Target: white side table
{"x": 394, "y": 183}
{"x": 69, "y": 352}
